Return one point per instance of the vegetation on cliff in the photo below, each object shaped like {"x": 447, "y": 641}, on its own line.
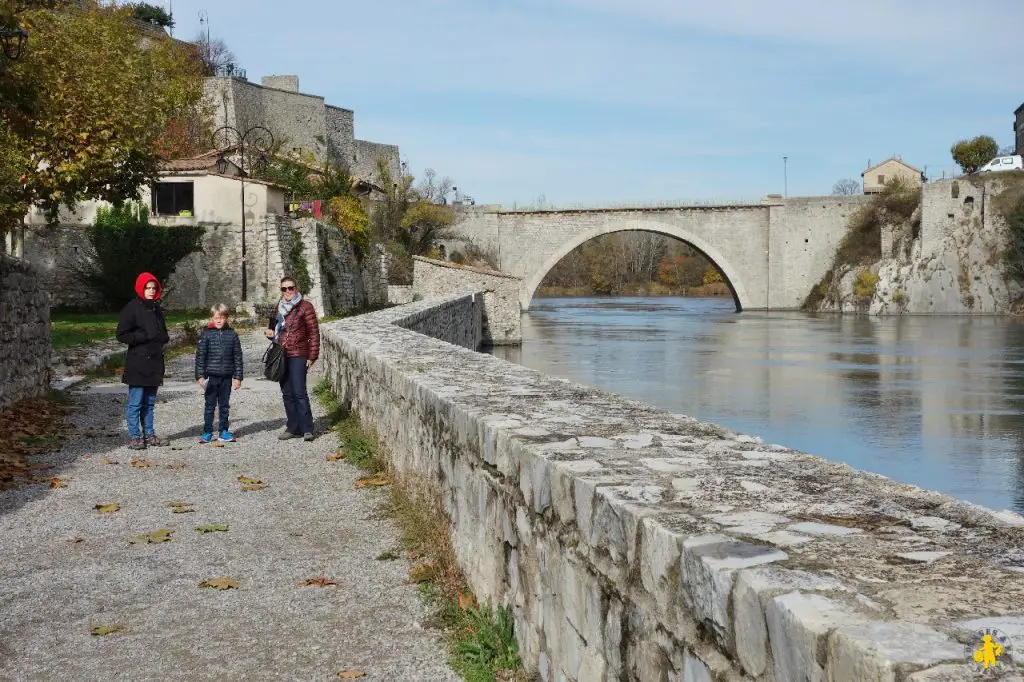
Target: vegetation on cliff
{"x": 862, "y": 244}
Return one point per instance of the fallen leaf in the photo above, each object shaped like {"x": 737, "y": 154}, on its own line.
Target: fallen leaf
{"x": 153, "y": 537}
{"x": 253, "y": 487}
{"x": 75, "y": 541}
{"x": 175, "y": 465}
{"x": 101, "y": 630}
{"x": 351, "y": 674}
{"x": 337, "y": 456}
{"x": 317, "y": 582}
{"x": 108, "y": 508}
{"x": 58, "y": 482}
{"x": 181, "y": 507}
{"x": 177, "y": 447}
{"x": 225, "y": 583}
{"x": 142, "y": 464}
{"x": 245, "y": 480}
{"x": 466, "y": 600}
{"x": 422, "y": 572}
{"x": 107, "y": 460}
{"x": 213, "y": 528}
{"x": 374, "y": 481}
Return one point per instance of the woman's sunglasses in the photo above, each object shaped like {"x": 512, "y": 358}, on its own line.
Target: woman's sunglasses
{"x": 287, "y": 288}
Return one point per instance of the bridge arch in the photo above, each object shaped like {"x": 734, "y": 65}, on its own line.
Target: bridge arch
{"x": 728, "y": 269}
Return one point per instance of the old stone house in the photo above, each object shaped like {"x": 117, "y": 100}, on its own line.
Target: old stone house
{"x": 875, "y": 176}
{"x": 1018, "y": 129}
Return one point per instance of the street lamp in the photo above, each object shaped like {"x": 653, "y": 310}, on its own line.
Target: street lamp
{"x": 13, "y": 42}
{"x": 253, "y": 145}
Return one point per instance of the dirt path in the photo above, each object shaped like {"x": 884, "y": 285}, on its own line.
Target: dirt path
{"x": 66, "y": 568}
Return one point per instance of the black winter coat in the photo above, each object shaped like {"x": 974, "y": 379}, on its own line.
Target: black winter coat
{"x": 219, "y": 353}
{"x": 142, "y": 327}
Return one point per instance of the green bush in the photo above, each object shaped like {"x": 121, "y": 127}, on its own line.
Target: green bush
{"x": 864, "y": 286}
{"x": 123, "y": 244}
{"x": 299, "y": 266}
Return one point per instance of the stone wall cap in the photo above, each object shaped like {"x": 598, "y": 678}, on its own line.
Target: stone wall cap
{"x": 471, "y": 268}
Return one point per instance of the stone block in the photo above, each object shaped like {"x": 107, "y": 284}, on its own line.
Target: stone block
{"x": 695, "y": 670}
{"x": 753, "y": 591}
{"x": 798, "y": 627}
{"x": 815, "y": 528}
{"x": 707, "y": 567}
{"x": 875, "y": 650}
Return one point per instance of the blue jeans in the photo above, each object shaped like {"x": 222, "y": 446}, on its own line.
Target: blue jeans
{"x": 218, "y": 394}
{"x": 296, "y": 399}
{"x": 141, "y": 401}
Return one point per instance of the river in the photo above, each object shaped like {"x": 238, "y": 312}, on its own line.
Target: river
{"x": 933, "y": 401}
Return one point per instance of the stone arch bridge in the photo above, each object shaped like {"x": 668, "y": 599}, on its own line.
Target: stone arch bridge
{"x": 771, "y": 253}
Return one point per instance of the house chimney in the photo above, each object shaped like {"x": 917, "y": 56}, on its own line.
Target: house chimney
{"x": 288, "y": 83}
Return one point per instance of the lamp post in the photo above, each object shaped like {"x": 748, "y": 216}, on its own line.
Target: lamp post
{"x": 12, "y": 41}
{"x": 253, "y": 145}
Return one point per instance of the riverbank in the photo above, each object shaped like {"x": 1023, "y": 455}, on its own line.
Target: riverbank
{"x": 716, "y": 290}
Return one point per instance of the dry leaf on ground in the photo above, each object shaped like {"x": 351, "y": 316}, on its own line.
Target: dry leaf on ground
{"x": 422, "y": 572}
{"x": 466, "y": 600}
{"x": 101, "y": 630}
{"x": 336, "y": 457}
{"x": 30, "y": 427}
{"x": 225, "y": 583}
{"x": 374, "y": 481}
{"x": 107, "y": 508}
{"x": 107, "y": 460}
{"x": 153, "y": 537}
{"x": 318, "y": 582}
{"x": 58, "y": 482}
{"x": 251, "y": 483}
{"x": 351, "y": 674}
{"x": 175, "y": 465}
{"x": 142, "y": 464}
{"x": 213, "y": 528}
{"x": 181, "y": 507}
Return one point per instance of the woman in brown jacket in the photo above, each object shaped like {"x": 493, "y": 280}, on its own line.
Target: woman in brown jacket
{"x": 297, "y": 329}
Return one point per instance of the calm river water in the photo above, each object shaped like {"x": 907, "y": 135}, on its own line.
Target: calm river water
{"x": 934, "y": 401}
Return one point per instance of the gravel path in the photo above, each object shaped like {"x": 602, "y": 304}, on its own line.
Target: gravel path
{"x": 65, "y": 568}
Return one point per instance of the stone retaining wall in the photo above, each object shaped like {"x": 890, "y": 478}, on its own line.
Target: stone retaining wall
{"x": 634, "y": 544}
{"x": 24, "y": 332}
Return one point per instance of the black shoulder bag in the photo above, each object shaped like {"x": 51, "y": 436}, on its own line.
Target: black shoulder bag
{"x": 274, "y": 362}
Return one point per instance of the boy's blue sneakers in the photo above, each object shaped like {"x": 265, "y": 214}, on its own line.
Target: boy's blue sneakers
{"x": 206, "y": 438}
{"x": 227, "y": 437}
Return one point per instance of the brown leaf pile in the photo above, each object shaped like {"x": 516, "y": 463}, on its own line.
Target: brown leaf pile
{"x": 321, "y": 581}
{"x": 374, "y": 481}
{"x": 225, "y": 583}
{"x": 336, "y": 457}
{"x": 142, "y": 464}
{"x": 32, "y": 427}
{"x": 251, "y": 483}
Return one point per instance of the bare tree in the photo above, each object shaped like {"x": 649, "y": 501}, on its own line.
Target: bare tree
{"x": 1008, "y": 150}
{"x": 218, "y": 59}
{"x": 433, "y": 189}
{"x": 846, "y": 187}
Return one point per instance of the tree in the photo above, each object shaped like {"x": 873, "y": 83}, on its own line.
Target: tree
{"x": 123, "y": 244}
{"x": 433, "y": 189}
{"x": 846, "y": 187}
{"x": 152, "y": 14}
{"x": 972, "y": 154}
{"x": 89, "y": 102}
{"x": 1008, "y": 150}
{"x": 217, "y": 57}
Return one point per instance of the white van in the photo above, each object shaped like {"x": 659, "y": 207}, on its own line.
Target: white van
{"x": 1002, "y": 163}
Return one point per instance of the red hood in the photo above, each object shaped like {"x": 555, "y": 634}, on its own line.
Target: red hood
{"x": 140, "y": 285}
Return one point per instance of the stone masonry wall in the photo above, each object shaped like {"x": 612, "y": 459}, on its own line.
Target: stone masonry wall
{"x": 364, "y": 161}
{"x": 502, "y": 317}
{"x": 24, "y": 332}
{"x": 633, "y": 544}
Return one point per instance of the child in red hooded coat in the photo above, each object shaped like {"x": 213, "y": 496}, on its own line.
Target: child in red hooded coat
{"x": 142, "y": 327}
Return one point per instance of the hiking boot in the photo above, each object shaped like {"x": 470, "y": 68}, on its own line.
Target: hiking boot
{"x": 155, "y": 441}
{"x": 308, "y": 437}
{"x": 226, "y": 437}
{"x": 287, "y": 435}
{"x": 206, "y": 438}
{"x": 136, "y": 444}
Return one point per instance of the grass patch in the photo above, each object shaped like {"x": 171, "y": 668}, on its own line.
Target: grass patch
{"x": 865, "y": 285}
{"x": 69, "y": 329}
{"x": 481, "y": 639}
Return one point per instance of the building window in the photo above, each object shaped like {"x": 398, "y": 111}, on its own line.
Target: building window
{"x": 881, "y": 179}
{"x": 173, "y": 198}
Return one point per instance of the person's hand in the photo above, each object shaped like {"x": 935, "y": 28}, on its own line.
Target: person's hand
{"x": 269, "y": 333}
{"x": 201, "y": 381}
{"x": 236, "y": 384}
{"x": 309, "y": 363}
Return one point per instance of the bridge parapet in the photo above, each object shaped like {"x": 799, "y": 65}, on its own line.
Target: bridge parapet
{"x": 636, "y": 544}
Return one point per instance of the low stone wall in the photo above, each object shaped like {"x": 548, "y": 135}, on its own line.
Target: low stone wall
{"x": 24, "y": 332}
{"x": 502, "y": 317}
{"x": 634, "y": 544}
{"x": 400, "y": 294}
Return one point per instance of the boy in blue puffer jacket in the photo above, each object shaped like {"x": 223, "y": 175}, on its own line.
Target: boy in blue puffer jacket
{"x": 218, "y": 370}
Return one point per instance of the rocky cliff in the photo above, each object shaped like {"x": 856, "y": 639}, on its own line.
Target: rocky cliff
{"x": 950, "y": 256}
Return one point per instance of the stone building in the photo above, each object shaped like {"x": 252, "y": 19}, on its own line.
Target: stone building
{"x": 875, "y": 177}
{"x": 300, "y": 121}
{"x": 1018, "y": 128}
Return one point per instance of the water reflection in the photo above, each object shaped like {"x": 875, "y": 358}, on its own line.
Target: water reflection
{"x": 935, "y": 401}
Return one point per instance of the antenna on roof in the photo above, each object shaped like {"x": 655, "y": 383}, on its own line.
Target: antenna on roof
{"x": 170, "y": 13}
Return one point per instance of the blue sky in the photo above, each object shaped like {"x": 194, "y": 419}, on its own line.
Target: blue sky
{"x": 591, "y": 101}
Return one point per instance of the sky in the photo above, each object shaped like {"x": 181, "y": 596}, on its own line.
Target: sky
{"x": 606, "y": 102}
